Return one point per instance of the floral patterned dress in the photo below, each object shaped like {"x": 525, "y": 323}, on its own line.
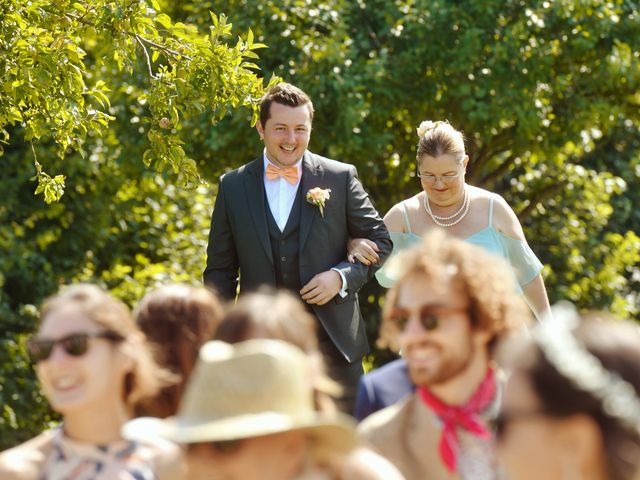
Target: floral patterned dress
{"x": 121, "y": 460}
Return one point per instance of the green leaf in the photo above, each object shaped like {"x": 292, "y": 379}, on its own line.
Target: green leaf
{"x": 147, "y": 158}
{"x": 164, "y": 20}
{"x": 15, "y": 115}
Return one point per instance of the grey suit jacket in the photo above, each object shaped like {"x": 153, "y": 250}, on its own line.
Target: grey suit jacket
{"x": 239, "y": 241}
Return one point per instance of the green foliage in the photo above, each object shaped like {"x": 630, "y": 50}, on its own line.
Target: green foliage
{"x": 54, "y": 86}
{"x": 91, "y": 89}
{"x": 130, "y": 232}
{"x": 24, "y": 410}
{"x": 546, "y": 93}
{"x": 538, "y": 88}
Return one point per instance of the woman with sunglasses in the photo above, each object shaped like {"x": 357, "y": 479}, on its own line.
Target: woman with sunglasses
{"x": 94, "y": 366}
{"x": 470, "y": 213}
{"x": 571, "y": 407}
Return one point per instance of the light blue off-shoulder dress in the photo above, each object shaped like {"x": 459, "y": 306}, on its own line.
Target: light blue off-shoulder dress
{"x": 523, "y": 261}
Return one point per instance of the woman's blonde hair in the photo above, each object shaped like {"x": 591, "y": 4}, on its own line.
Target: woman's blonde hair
{"x": 440, "y": 138}
{"x": 146, "y": 377}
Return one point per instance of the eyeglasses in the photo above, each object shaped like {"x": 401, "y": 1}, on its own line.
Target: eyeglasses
{"x": 430, "y": 317}
{"x": 76, "y": 344}
{"x": 432, "y": 179}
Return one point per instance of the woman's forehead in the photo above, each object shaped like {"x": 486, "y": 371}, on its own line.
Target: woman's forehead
{"x": 66, "y": 319}
{"x": 442, "y": 162}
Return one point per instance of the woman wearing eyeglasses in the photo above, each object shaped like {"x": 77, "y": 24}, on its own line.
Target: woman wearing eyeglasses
{"x": 94, "y": 366}
{"x": 470, "y": 213}
{"x": 571, "y": 407}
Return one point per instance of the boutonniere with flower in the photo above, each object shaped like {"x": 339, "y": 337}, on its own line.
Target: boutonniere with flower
{"x": 318, "y": 196}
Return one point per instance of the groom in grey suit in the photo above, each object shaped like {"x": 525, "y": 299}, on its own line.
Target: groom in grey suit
{"x": 268, "y": 228}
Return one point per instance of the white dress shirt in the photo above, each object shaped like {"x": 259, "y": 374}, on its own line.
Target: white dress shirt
{"x": 280, "y": 196}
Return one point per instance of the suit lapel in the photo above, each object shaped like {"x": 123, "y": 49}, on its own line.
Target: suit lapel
{"x": 254, "y": 189}
{"x": 312, "y": 174}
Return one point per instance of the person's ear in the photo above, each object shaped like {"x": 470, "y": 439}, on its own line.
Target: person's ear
{"x": 483, "y": 336}
{"x": 260, "y": 129}
{"x": 465, "y": 162}
{"x": 128, "y": 351}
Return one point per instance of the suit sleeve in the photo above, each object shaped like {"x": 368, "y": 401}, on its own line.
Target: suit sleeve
{"x": 363, "y": 222}
{"x": 364, "y": 400}
{"x": 221, "y": 272}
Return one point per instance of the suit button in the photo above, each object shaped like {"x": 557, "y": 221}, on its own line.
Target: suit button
{"x": 284, "y": 259}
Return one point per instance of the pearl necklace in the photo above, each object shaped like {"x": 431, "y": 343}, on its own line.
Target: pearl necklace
{"x": 436, "y": 218}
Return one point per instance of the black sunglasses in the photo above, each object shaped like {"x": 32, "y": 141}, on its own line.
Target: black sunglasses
{"x": 430, "y": 317}
{"x": 75, "y": 344}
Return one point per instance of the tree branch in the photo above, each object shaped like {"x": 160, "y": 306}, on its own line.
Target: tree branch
{"x": 489, "y": 180}
{"x": 489, "y": 150}
{"x": 544, "y": 195}
{"x": 157, "y": 45}
{"x": 136, "y": 36}
{"x": 146, "y": 56}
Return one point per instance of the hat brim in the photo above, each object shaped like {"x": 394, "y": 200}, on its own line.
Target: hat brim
{"x": 332, "y": 432}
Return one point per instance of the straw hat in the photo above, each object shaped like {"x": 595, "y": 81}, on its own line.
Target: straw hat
{"x": 250, "y": 389}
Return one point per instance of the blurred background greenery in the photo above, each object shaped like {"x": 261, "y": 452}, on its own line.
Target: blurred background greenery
{"x": 547, "y": 94}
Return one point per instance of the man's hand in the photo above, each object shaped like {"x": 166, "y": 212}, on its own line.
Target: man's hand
{"x": 322, "y": 288}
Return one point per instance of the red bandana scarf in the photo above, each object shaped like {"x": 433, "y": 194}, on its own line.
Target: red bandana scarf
{"x": 466, "y": 416}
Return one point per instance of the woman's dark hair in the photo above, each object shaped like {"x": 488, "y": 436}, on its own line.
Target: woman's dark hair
{"x": 178, "y": 320}
{"x": 616, "y": 344}
{"x": 269, "y": 313}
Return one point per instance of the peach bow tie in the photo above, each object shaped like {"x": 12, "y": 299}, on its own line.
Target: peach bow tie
{"x": 290, "y": 174}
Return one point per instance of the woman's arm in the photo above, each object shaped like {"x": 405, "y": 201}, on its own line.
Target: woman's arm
{"x": 506, "y": 222}
{"x": 536, "y": 296}
{"x": 362, "y": 250}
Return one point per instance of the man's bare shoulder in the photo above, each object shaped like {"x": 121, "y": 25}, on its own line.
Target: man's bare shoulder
{"x": 25, "y": 461}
